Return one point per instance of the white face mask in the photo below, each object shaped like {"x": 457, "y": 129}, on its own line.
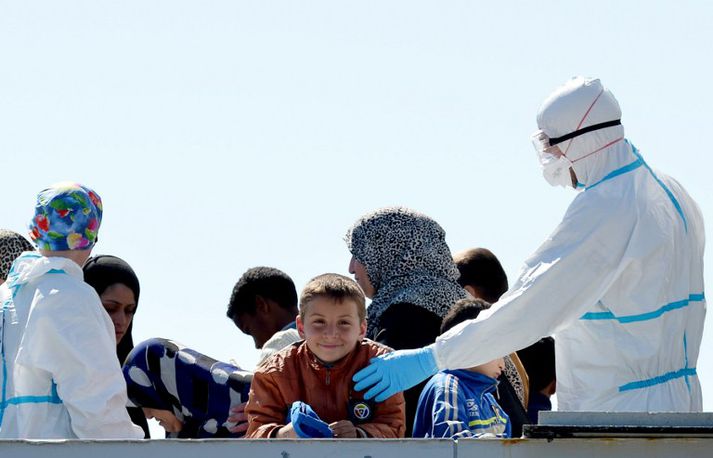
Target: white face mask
{"x": 555, "y": 165}
{"x": 555, "y": 169}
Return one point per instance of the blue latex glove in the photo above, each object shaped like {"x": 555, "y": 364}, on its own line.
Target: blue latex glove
{"x": 394, "y": 372}
{"x": 306, "y": 422}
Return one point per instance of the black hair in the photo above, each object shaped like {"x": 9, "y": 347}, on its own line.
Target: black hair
{"x": 539, "y": 362}
{"x": 100, "y": 272}
{"x": 463, "y": 310}
{"x": 480, "y": 269}
{"x": 266, "y": 282}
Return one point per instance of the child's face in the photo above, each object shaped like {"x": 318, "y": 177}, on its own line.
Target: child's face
{"x": 493, "y": 369}
{"x": 330, "y": 328}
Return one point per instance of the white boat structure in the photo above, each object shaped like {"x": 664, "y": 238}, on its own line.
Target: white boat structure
{"x": 559, "y": 434}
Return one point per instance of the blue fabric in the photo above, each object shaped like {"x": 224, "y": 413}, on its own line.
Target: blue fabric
{"x": 620, "y": 171}
{"x": 460, "y": 403}
{"x": 659, "y": 379}
{"x": 395, "y": 372}
{"x": 536, "y": 403}
{"x": 197, "y": 389}
{"x": 307, "y": 423}
{"x": 644, "y": 316}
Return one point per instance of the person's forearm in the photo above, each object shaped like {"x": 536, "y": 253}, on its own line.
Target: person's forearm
{"x": 285, "y": 432}
{"x": 264, "y": 431}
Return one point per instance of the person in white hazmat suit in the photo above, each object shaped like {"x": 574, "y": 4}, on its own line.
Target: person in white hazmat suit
{"x": 60, "y": 378}
{"x": 619, "y": 281}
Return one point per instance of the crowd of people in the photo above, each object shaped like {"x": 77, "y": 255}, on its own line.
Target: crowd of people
{"x": 444, "y": 349}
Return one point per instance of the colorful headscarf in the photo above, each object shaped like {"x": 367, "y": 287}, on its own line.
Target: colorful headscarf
{"x": 198, "y": 390}
{"x": 12, "y": 245}
{"x": 67, "y": 217}
{"x": 407, "y": 260}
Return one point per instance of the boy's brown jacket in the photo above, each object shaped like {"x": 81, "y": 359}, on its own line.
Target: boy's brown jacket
{"x": 295, "y": 374}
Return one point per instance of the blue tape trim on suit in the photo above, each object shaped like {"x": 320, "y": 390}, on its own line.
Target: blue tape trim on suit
{"x": 635, "y": 165}
{"x": 644, "y": 316}
{"x": 620, "y": 171}
{"x": 3, "y": 394}
{"x": 52, "y": 398}
{"x": 685, "y": 372}
{"x": 685, "y": 359}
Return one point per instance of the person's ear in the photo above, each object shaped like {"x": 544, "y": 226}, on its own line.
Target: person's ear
{"x": 471, "y": 291}
{"x": 262, "y": 305}
{"x": 362, "y": 329}
{"x": 300, "y": 327}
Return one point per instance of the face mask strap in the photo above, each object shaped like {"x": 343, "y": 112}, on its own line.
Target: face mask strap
{"x": 577, "y": 133}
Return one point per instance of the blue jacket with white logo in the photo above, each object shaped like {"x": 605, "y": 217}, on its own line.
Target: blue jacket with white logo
{"x": 460, "y": 404}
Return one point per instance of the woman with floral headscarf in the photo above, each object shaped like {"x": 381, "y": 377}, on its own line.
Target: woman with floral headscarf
{"x": 60, "y": 377}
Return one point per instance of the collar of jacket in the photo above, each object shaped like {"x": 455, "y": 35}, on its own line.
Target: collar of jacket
{"x": 337, "y": 366}
{"x": 488, "y": 384}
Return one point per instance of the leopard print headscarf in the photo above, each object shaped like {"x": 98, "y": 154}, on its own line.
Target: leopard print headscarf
{"x": 407, "y": 260}
{"x": 12, "y": 245}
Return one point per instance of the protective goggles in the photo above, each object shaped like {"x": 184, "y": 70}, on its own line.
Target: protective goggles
{"x": 543, "y": 143}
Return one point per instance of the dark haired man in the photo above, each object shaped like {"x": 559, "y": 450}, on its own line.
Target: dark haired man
{"x": 481, "y": 274}
{"x": 263, "y": 302}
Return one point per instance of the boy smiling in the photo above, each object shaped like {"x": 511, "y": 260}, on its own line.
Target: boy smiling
{"x": 318, "y": 371}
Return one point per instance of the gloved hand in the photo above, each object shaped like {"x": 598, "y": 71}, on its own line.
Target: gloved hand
{"x": 306, "y": 423}
{"x": 394, "y": 372}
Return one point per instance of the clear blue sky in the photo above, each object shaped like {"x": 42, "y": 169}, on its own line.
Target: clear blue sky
{"x": 228, "y": 134}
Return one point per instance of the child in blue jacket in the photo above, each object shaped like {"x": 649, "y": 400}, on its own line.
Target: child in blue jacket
{"x": 460, "y": 403}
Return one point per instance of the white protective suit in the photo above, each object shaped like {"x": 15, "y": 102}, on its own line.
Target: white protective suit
{"x": 619, "y": 282}
{"x": 60, "y": 376}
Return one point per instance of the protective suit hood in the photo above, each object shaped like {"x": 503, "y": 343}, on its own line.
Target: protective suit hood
{"x": 580, "y": 103}
{"x": 31, "y": 266}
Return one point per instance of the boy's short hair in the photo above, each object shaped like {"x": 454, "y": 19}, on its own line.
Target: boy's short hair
{"x": 463, "y": 310}
{"x": 266, "y": 282}
{"x": 480, "y": 269}
{"x": 336, "y": 287}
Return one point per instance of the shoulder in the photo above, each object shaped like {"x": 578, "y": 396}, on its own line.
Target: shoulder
{"x": 371, "y": 348}
{"x": 394, "y": 315}
{"x": 408, "y": 307}
{"x": 442, "y": 382}
{"x": 60, "y": 290}
{"x": 281, "y": 339}
{"x": 285, "y": 360}
{"x": 447, "y": 379}
{"x": 277, "y": 342}
{"x": 613, "y": 202}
